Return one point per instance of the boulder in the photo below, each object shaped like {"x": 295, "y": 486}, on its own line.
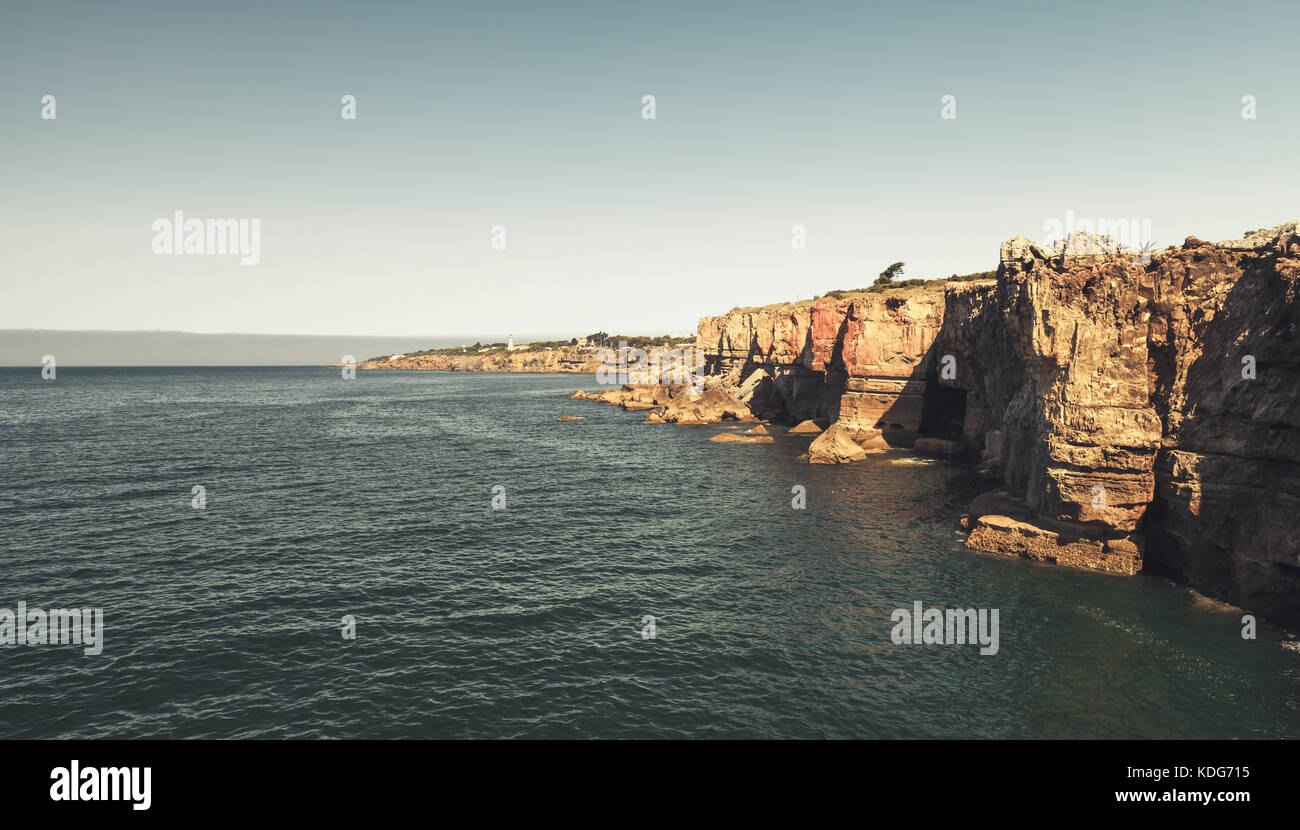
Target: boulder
{"x": 805, "y": 428}
{"x": 1007, "y": 536}
{"x": 737, "y": 438}
{"x": 835, "y": 446}
{"x": 871, "y": 440}
{"x": 709, "y": 407}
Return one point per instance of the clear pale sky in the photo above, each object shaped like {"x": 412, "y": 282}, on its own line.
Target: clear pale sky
{"x": 528, "y": 115}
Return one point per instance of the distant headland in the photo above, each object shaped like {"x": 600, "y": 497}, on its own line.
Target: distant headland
{"x": 578, "y": 355}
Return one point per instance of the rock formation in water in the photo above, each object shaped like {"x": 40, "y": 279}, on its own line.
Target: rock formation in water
{"x": 1141, "y": 411}
{"x": 734, "y": 438}
{"x": 805, "y": 428}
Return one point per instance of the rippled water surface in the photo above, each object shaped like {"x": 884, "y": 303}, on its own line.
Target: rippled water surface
{"x": 373, "y": 498}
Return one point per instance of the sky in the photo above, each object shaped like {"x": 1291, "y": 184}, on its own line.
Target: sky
{"x": 528, "y": 116}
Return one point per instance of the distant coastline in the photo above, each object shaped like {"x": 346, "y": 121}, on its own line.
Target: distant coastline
{"x": 577, "y": 356}
{"x": 566, "y": 362}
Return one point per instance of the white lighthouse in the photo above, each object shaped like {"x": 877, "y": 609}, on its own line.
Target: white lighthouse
{"x": 510, "y": 342}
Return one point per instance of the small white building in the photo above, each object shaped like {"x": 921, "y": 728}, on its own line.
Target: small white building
{"x": 510, "y": 343}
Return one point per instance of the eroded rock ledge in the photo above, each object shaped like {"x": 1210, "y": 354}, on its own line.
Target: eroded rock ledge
{"x": 1141, "y": 411}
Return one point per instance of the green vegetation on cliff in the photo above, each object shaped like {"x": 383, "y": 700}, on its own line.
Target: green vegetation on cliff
{"x": 887, "y": 282}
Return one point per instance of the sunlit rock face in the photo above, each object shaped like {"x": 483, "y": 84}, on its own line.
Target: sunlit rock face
{"x": 859, "y": 362}
{"x": 1056, "y": 358}
{"x": 1140, "y": 410}
{"x": 1149, "y": 400}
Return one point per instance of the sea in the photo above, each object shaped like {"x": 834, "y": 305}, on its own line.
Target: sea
{"x": 289, "y": 553}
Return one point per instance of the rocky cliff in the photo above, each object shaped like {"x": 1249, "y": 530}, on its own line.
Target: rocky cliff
{"x": 576, "y": 360}
{"x": 1140, "y": 410}
{"x": 858, "y": 362}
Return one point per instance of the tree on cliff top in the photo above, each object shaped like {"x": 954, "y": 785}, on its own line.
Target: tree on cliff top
{"x": 887, "y": 276}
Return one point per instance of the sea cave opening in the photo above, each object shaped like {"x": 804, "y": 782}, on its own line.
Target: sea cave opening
{"x": 944, "y": 411}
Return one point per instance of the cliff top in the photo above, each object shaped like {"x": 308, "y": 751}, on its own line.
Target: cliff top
{"x": 1085, "y": 244}
{"x": 1280, "y": 237}
{"x": 906, "y": 288}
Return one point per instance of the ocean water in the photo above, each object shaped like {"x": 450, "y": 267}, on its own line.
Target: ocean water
{"x": 373, "y": 498}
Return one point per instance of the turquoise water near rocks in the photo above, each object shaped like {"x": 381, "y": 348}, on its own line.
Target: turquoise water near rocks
{"x": 372, "y": 498}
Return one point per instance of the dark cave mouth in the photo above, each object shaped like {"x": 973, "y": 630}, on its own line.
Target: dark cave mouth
{"x": 944, "y": 412}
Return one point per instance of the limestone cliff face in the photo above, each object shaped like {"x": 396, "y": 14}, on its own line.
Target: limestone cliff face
{"x": 1224, "y": 368}
{"x": 875, "y": 334}
{"x": 1137, "y": 427}
{"x": 1139, "y": 410}
{"x": 856, "y": 361}
{"x": 1069, "y": 401}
